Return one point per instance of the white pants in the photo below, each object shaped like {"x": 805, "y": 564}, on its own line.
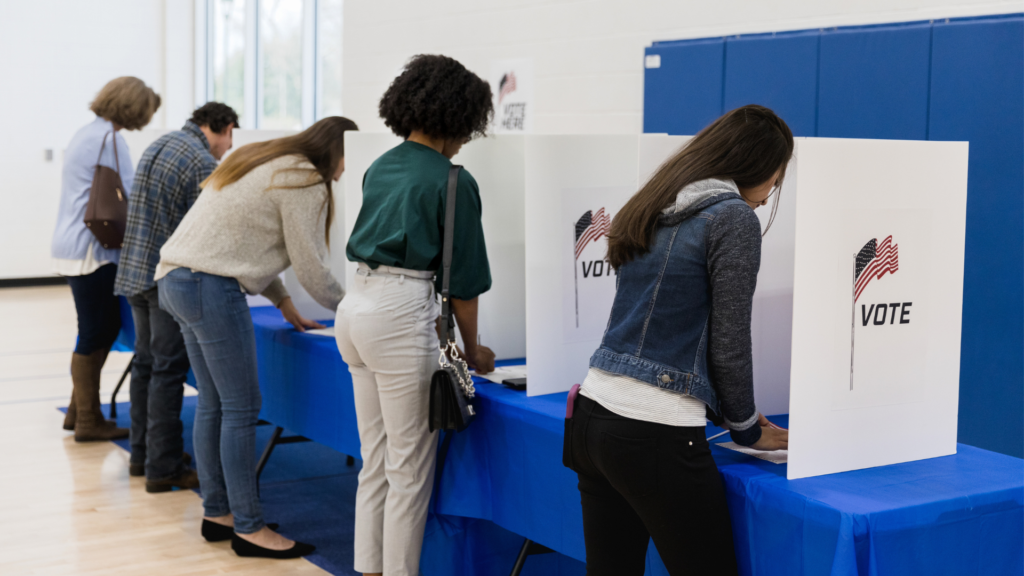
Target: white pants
{"x": 386, "y": 335}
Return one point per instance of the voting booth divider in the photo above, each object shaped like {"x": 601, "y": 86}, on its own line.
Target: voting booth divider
{"x": 877, "y": 273}
{"x": 854, "y": 322}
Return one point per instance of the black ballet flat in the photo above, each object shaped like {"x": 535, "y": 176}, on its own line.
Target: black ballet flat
{"x": 214, "y": 532}
{"x": 245, "y": 548}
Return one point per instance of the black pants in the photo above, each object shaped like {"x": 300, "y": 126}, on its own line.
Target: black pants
{"x": 639, "y": 481}
{"x": 99, "y": 311}
{"x": 157, "y": 385}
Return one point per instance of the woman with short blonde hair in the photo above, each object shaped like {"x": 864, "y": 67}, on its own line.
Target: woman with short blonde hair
{"x": 127, "y": 102}
{"x": 89, "y": 267}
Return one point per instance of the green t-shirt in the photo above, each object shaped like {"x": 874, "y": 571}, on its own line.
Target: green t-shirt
{"x": 401, "y": 223}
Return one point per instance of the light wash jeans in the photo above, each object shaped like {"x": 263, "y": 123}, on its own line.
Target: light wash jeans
{"x": 221, "y": 343}
{"x": 385, "y": 331}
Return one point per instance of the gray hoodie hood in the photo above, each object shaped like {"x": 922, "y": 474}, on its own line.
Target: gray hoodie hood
{"x": 699, "y": 195}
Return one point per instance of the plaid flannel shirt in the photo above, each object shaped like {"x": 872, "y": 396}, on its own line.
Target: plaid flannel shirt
{"x": 167, "y": 183}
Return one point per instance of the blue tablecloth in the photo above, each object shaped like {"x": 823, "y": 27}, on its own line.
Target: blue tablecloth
{"x": 961, "y": 514}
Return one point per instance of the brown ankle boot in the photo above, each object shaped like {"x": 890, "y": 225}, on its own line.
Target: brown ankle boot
{"x": 69, "y": 416}
{"x": 90, "y": 424}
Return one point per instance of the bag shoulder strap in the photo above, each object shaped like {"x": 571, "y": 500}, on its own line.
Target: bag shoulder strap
{"x": 117, "y": 161}
{"x": 446, "y": 254}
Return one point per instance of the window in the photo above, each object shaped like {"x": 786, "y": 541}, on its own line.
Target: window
{"x": 276, "y": 62}
{"x": 227, "y": 53}
{"x": 280, "y": 65}
{"x": 329, "y": 19}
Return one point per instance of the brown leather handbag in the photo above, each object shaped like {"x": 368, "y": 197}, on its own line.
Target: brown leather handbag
{"x": 106, "y": 215}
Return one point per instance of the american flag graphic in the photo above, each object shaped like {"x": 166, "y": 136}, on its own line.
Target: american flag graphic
{"x": 872, "y": 262}
{"x": 589, "y": 228}
{"x": 506, "y": 86}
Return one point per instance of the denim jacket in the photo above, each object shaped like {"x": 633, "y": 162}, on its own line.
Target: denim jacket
{"x": 661, "y": 321}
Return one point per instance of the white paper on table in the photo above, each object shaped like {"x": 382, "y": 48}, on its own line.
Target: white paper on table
{"x": 503, "y": 373}
{"x": 328, "y": 332}
{"x": 774, "y": 456}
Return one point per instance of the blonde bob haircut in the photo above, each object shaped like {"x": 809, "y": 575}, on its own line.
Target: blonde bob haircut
{"x": 127, "y": 102}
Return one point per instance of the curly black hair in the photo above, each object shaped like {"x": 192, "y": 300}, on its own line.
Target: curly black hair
{"x": 439, "y": 96}
{"x": 215, "y": 116}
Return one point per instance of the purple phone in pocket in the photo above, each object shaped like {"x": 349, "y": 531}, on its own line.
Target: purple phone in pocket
{"x": 570, "y": 402}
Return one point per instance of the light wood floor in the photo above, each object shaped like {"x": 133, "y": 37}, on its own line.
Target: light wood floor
{"x": 68, "y": 508}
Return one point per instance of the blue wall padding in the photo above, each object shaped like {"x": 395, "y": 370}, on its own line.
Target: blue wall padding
{"x": 874, "y": 83}
{"x": 978, "y": 95}
{"x": 949, "y": 80}
{"x": 685, "y": 93}
{"x": 777, "y": 71}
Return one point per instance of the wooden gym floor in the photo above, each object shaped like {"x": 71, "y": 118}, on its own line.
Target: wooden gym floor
{"x": 68, "y": 508}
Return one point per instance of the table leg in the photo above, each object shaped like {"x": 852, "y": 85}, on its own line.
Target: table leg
{"x": 266, "y": 455}
{"x": 530, "y": 548}
{"x": 113, "y": 397}
{"x": 275, "y": 439}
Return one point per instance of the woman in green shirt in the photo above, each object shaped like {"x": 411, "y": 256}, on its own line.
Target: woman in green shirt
{"x": 386, "y": 324}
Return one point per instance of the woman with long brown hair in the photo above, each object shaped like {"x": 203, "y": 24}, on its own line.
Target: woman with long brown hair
{"x": 677, "y": 349}
{"x": 267, "y": 207}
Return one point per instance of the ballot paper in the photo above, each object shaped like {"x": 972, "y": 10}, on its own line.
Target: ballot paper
{"x": 774, "y": 456}
{"x": 502, "y": 373}
{"x": 328, "y": 332}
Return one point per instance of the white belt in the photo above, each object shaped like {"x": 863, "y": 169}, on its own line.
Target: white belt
{"x": 403, "y": 273}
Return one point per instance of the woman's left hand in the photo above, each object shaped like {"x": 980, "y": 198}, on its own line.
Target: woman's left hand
{"x": 291, "y": 314}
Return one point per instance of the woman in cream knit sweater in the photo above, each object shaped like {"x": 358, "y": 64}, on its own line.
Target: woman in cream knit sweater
{"x": 267, "y": 207}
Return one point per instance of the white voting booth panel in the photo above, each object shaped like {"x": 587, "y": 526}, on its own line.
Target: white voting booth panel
{"x": 572, "y": 183}
{"x": 875, "y": 339}
{"x": 496, "y": 162}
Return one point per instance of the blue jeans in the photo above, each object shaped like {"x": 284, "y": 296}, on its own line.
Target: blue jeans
{"x": 157, "y": 386}
{"x": 221, "y": 343}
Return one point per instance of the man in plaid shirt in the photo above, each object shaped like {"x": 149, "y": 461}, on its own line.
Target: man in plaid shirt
{"x": 167, "y": 183}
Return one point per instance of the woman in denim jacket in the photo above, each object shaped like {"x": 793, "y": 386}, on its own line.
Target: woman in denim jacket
{"x": 677, "y": 349}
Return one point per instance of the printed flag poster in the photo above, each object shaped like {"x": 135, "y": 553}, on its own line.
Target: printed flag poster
{"x": 885, "y": 279}
{"x": 588, "y": 280}
{"x": 878, "y": 268}
{"x": 512, "y": 88}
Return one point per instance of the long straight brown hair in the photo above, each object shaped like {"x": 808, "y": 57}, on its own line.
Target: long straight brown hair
{"x": 323, "y": 144}
{"x": 747, "y": 145}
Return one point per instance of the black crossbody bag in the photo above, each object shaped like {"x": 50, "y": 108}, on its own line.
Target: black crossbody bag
{"x": 451, "y": 387}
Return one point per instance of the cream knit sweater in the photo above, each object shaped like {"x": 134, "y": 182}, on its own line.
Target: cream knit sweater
{"x": 252, "y": 233}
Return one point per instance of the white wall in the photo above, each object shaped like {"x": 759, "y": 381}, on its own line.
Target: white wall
{"x": 56, "y": 54}
{"x": 587, "y": 54}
